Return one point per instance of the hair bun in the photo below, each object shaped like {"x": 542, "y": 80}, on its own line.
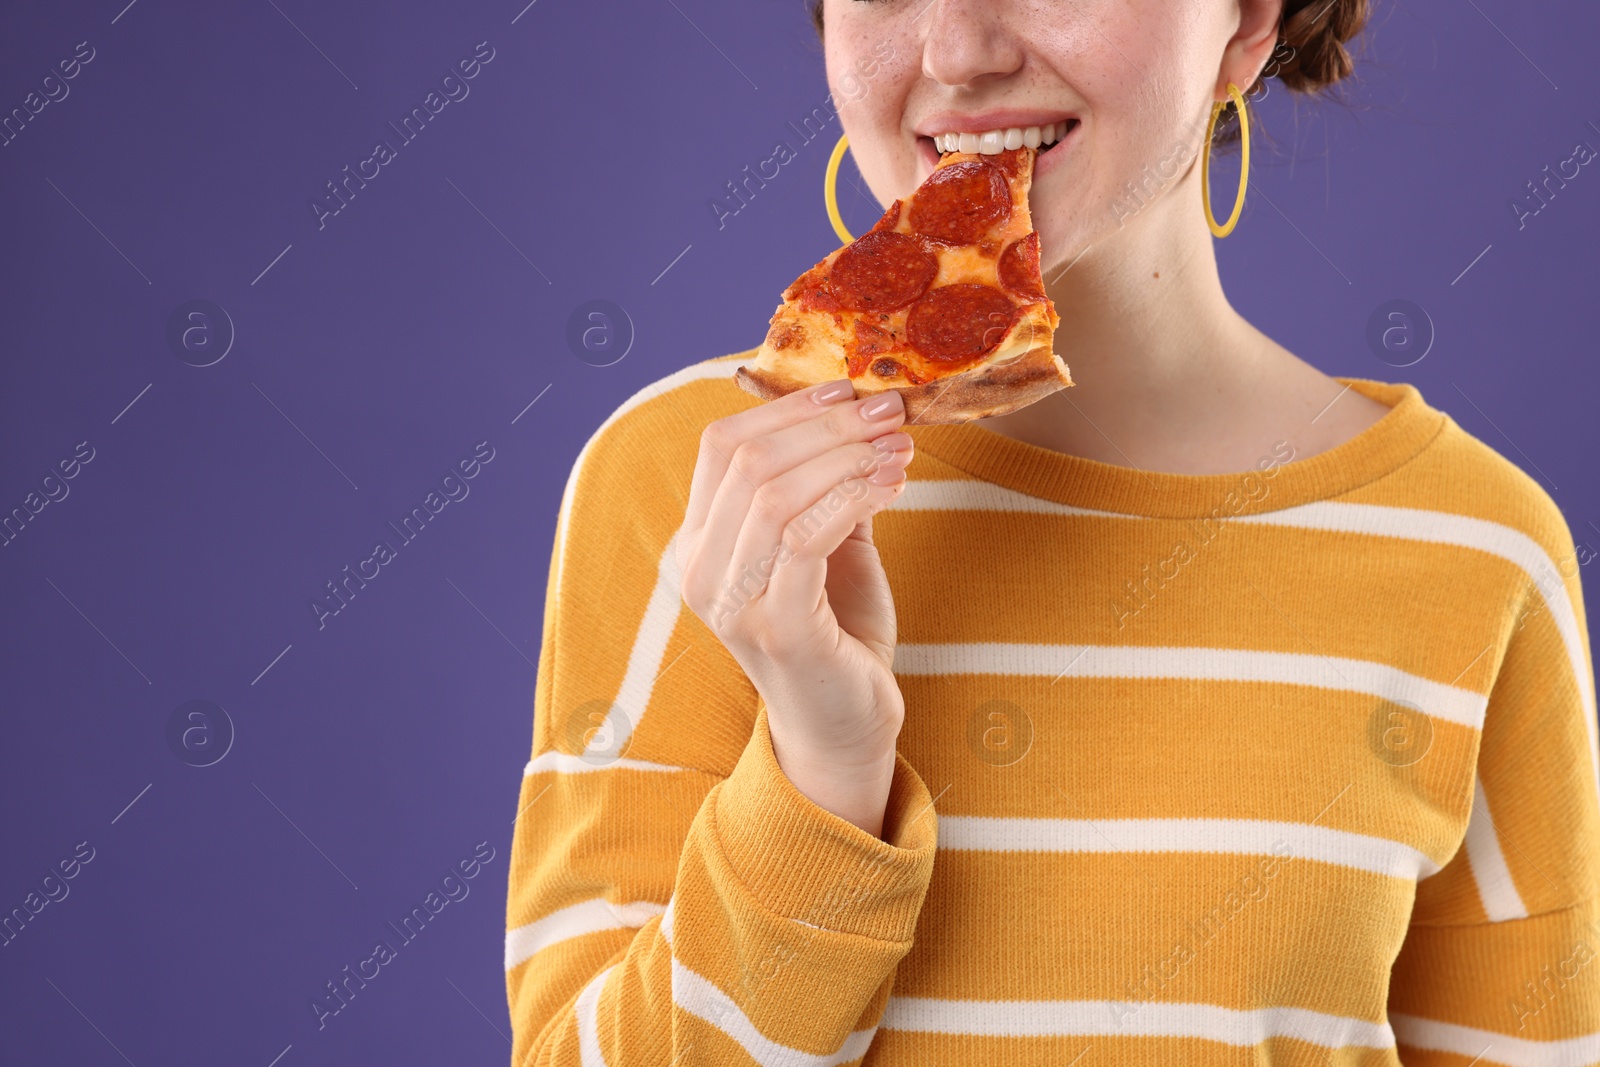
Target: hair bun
{"x": 1313, "y": 34}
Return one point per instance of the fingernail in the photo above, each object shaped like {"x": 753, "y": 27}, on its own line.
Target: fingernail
{"x": 882, "y": 407}
{"x": 890, "y": 443}
{"x": 888, "y": 474}
{"x": 832, "y": 391}
{"x": 901, "y": 459}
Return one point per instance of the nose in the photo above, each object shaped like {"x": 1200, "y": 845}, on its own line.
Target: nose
{"x": 969, "y": 41}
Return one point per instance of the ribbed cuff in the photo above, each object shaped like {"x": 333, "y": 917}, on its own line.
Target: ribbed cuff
{"x": 808, "y": 864}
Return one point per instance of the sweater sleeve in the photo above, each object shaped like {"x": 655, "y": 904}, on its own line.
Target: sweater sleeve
{"x": 673, "y": 898}
{"x": 1501, "y": 964}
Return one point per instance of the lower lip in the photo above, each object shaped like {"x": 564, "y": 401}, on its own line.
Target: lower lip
{"x": 1048, "y": 161}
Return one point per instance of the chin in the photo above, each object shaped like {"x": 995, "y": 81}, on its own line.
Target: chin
{"x": 1066, "y": 219}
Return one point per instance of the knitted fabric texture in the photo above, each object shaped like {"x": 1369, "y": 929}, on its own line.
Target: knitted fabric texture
{"x": 1293, "y": 765}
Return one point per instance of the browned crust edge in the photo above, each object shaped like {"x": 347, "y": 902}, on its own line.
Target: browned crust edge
{"x": 976, "y": 393}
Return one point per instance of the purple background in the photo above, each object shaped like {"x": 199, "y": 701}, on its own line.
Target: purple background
{"x": 424, "y": 318}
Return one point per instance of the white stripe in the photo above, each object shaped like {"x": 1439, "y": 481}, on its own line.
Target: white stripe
{"x": 701, "y": 998}
{"x": 567, "y": 763}
{"x": 968, "y": 494}
{"x": 1496, "y": 888}
{"x": 1485, "y": 536}
{"x": 1376, "y": 520}
{"x": 710, "y": 368}
{"x": 1210, "y": 664}
{"x": 1495, "y": 1048}
{"x": 1110, "y": 1018}
{"x": 585, "y": 917}
{"x": 584, "y": 1011}
{"x": 666, "y": 599}
{"x": 974, "y": 833}
{"x": 649, "y": 649}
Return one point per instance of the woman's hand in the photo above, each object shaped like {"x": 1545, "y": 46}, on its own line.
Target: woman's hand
{"x": 777, "y": 559}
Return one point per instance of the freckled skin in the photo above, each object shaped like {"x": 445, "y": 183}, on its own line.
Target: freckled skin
{"x": 1170, "y": 377}
{"x": 1139, "y": 74}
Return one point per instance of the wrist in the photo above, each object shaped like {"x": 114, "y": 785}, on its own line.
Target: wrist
{"x": 855, "y": 788}
{"x": 864, "y": 758}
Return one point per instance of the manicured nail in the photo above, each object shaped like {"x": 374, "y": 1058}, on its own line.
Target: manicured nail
{"x": 882, "y": 407}
{"x": 888, "y": 474}
{"x": 832, "y": 391}
{"x": 891, "y": 443}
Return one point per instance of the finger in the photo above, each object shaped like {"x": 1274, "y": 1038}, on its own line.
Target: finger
{"x": 764, "y": 458}
{"x": 786, "y": 448}
{"x": 797, "y": 505}
{"x": 800, "y": 575}
{"x": 722, "y": 438}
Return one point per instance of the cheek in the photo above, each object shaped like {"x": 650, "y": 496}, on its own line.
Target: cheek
{"x": 871, "y": 72}
{"x": 1156, "y": 122}
{"x": 1138, "y": 143}
{"x": 879, "y": 148}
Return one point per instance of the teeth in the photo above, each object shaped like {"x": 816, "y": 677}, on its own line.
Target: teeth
{"x": 992, "y": 142}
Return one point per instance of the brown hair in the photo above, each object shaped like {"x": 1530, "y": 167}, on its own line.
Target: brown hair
{"x": 1310, "y": 56}
{"x": 1316, "y": 31}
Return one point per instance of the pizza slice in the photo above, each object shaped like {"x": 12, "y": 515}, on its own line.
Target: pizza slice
{"x": 941, "y": 300}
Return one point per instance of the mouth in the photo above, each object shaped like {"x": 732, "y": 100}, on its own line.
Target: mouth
{"x": 993, "y": 142}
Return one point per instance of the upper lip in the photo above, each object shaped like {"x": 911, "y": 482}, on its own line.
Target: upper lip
{"x": 983, "y": 121}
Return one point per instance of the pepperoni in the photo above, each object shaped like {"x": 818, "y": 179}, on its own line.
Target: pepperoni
{"x": 809, "y": 280}
{"x": 959, "y": 322}
{"x": 1019, "y": 268}
{"x": 868, "y": 344}
{"x": 870, "y": 340}
{"x": 962, "y": 202}
{"x": 1009, "y": 161}
{"x": 890, "y": 220}
{"x": 818, "y": 299}
{"x": 882, "y": 271}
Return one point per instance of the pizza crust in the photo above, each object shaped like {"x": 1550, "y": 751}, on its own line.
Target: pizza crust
{"x": 991, "y": 388}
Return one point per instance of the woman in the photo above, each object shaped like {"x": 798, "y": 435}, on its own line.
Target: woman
{"x": 1221, "y": 711}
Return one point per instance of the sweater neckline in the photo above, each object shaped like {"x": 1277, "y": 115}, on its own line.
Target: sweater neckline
{"x": 1041, "y": 472}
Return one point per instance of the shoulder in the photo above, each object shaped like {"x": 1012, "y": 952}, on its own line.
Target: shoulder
{"x": 666, "y": 416}
{"x": 1494, "y": 488}
{"x": 648, "y": 444}
{"x": 1461, "y": 476}
{"x": 684, "y": 400}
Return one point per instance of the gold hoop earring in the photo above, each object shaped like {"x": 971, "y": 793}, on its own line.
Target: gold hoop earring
{"x": 1244, "y": 163}
{"x": 830, "y": 182}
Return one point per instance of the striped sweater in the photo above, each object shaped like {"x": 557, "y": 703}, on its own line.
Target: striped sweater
{"x": 1297, "y": 765}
